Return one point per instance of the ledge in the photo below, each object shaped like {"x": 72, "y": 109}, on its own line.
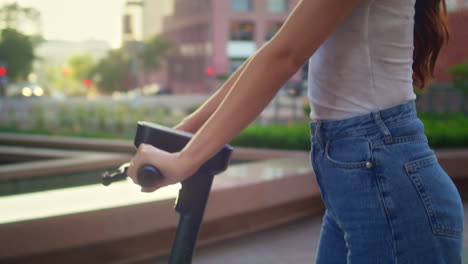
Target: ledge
{"x": 95, "y": 217}
{"x": 97, "y": 224}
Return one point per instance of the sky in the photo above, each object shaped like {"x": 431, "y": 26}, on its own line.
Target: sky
{"x": 78, "y": 20}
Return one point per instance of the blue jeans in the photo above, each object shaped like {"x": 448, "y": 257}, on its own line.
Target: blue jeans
{"x": 387, "y": 198}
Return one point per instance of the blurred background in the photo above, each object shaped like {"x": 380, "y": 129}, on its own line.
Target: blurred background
{"x": 89, "y": 70}
{"x": 86, "y": 67}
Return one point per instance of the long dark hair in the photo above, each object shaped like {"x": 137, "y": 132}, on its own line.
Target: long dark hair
{"x": 430, "y": 35}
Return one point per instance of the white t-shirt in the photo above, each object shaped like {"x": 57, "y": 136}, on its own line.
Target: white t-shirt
{"x": 366, "y": 62}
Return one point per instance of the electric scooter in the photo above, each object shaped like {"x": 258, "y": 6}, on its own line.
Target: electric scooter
{"x": 193, "y": 195}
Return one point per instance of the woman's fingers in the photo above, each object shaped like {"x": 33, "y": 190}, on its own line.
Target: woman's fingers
{"x": 173, "y": 168}
{"x": 138, "y": 160}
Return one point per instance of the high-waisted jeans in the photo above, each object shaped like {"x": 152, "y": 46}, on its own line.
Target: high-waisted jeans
{"x": 387, "y": 198}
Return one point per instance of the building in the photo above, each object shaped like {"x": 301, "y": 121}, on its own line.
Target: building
{"x": 153, "y": 13}
{"x": 454, "y": 5}
{"x": 141, "y": 20}
{"x": 455, "y": 51}
{"x": 214, "y": 37}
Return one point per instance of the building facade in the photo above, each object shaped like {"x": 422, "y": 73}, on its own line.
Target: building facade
{"x": 455, "y": 51}
{"x": 454, "y": 5}
{"x": 214, "y": 37}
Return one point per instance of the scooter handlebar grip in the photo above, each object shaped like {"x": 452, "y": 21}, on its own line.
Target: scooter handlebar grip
{"x": 149, "y": 176}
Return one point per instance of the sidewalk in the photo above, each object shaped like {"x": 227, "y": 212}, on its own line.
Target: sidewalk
{"x": 294, "y": 243}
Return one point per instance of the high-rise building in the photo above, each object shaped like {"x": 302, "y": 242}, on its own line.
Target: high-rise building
{"x": 142, "y": 19}
{"x": 214, "y": 37}
{"x": 153, "y": 13}
{"x": 132, "y": 21}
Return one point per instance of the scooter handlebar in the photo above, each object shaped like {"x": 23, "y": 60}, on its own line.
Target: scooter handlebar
{"x": 149, "y": 176}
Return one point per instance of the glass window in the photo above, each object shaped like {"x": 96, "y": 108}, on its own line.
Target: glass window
{"x": 234, "y": 65}
{"x": 241, "y": 31}
{"x": 127, "y": 24}
{"x": 451, "y": 5}
{"x": 241, "y": 5}
{"x": 277, "y": 6}
{"x": 271, "y": 29}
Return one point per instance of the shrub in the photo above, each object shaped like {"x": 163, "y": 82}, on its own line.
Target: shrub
{"x": 459, "y": 75}
{"x": 275, "y": 136}
{"x": 444, "y": 130}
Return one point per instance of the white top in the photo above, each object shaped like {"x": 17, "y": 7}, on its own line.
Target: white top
{"x": 366, "y": 63}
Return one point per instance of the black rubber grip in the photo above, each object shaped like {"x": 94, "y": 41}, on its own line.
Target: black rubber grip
{"x": 149, "y": 176}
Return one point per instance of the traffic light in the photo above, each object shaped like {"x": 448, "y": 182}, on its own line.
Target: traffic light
{"x": 87, "y": 83}
{"x": 210, "y": 71}
{"x": 3, "y": 71}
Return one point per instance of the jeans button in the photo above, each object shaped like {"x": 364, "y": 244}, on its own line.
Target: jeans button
{"x": 368, "y": 164}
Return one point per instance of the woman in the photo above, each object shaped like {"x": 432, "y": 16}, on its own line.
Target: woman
{"x": 387, "y": 198}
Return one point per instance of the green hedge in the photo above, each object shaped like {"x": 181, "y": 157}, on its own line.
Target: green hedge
{"x": 275, "y": 136}
{"x": 444, "y": 130}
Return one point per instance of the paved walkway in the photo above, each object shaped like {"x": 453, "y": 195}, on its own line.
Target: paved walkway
{"x": 294, "y": 243}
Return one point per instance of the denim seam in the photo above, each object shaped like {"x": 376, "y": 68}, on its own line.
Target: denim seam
{"x": 344, "y": 165}
{"x": 383, "y": 128}
{"x": 373, "y": 129}
{"x": 388, "y": 217}
{"x": 322, "y": 191}
{"x": 414, "y": 166}
{"x": 401, "y": 140}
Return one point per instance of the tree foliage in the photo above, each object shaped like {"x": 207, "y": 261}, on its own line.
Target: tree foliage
{"x": 459, "y": 75}
{"x": 114, "y": 72}
{"x": 15, "y": 16}
{"x": 111, "y": 71}
{"x": 17, "y": 48}
{"x": 81, "y": 66}
{"x": 17, "y": 51}
{"x": 154, "y": 50}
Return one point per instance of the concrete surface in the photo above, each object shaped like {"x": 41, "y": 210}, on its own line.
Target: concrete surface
{"x": 293, "y": 243}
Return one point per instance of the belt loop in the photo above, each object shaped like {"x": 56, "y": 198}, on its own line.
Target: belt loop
{"x": 383, "y": 128}
{"x": 318, "y": 134}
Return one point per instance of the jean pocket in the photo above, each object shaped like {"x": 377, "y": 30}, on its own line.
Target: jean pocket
{"x": 349, "y": 153}
{"x": 438, "y": 194}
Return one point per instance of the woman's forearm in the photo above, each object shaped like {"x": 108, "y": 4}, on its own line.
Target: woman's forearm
{"x": 263, "y": 76}
{"x": 194, "y": 121}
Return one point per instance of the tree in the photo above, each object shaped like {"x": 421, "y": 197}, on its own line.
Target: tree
{"x": 15, "y": 16}
{"x": 17, "y": 51}
{"x": 154, "y": 49}
{"x": 112, "y": 71}
{"x": 459, "y": 75}
{"x": 81, "y": 66}
{"x": 57, "y": 79}
{"x": 16, "y": 48}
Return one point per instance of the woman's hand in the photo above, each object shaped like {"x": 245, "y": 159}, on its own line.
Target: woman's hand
{"x": 173, "y": 167}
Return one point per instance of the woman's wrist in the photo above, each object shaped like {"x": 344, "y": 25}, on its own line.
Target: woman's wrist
{"x": 187, "y": 162}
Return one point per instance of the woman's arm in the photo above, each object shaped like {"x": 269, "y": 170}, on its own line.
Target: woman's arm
{"x": 303, "y": 32}
{"x": 306, "y": 28}
{"x": 194, "y": 121}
